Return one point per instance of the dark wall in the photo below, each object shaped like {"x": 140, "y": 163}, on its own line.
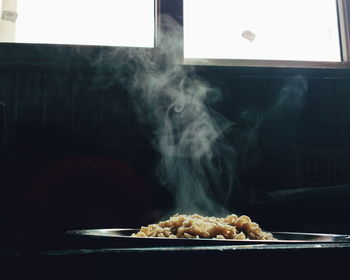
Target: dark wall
{"x": 65, "y": 114}
{"x": 293, "y": 121}
{"x": 52, "y": 115}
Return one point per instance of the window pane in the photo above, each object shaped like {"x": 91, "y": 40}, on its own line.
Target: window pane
{"x": 102, "y": 22}
{"x": 262, "y": 29}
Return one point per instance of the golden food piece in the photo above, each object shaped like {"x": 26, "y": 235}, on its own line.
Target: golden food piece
{"x": 197, "y": 226}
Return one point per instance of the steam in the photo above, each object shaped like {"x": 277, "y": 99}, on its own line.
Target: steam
{"x": 246, "y": 135}
{"x": 196, "y": 162}
{"x": 288, "y": 101}
{"x": 194, "y": 152}
{"x": 290, "y": 98}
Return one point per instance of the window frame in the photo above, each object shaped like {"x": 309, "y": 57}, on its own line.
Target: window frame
{"x": 65, "y": 57}
{"x": 70, "y": 57}
{"x": 13, "y": 6}
{"x": 343, "y": 8}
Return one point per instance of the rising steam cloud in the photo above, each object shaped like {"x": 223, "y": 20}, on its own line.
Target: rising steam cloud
{"x": 197, "y": 165}
{"x": 290, "y": 98}
{"x": 196, "y": 162}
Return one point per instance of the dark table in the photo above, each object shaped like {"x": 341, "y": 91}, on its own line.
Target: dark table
{"x": 264, "y": 261}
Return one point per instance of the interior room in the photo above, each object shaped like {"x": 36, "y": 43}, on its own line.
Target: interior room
{"x": 116, "y": 115}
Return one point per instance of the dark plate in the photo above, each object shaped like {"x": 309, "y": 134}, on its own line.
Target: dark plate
{"x": 123, "y": 236}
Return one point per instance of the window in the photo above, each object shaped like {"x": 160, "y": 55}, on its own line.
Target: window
{"x": 80, "y": 22}
{"x": 288, "y": 33}
{"x": 262, "y": 30}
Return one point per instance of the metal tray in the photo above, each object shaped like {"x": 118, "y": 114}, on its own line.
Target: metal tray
{"x": 123, "y": 236}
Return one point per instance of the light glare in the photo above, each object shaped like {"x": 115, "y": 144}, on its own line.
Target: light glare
{"x": 103, "y": 22}
{"x": 277, "y": 30}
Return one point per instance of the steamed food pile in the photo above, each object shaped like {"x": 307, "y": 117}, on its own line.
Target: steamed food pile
{"x": 196, "y": 226}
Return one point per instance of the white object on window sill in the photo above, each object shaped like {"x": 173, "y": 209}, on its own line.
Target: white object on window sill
{"x": 10, "y": 16}
{"x": 248, "y": 35}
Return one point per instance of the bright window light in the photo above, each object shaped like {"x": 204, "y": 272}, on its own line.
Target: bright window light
{"x": 86, "y": 22}
{"x": 262, "y": 30}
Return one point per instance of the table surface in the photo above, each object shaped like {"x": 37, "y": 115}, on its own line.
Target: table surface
{"x": 175, "y": 262}
{"x": 85, "y": 250}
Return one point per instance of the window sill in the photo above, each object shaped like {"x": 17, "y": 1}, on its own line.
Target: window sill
{"x": 330, "y": 71}
{"x": 14, "y": 56}
{"x": 60, "y": 57}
